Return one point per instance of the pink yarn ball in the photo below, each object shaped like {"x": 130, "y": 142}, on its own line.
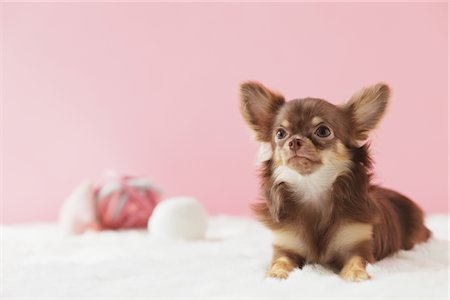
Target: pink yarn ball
{"x": 125, "y": 204}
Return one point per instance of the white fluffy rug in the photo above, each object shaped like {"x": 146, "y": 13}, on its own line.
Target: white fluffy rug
{"x": 38, "y": 262}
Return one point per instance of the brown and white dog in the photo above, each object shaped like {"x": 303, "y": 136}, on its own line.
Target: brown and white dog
{"x": 318, "y": 200}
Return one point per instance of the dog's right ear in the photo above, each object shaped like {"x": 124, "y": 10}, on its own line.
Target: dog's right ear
{"x": 366, "y": 108}
{"x": 259, "y": 106}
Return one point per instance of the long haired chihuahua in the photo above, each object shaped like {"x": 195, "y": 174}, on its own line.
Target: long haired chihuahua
{"x": 318, "y": 200}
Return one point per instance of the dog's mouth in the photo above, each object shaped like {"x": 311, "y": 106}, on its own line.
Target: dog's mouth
{"x": 295, "y": 156}
{"x": 304, "y": 164}
{"x": 302, "y": 157}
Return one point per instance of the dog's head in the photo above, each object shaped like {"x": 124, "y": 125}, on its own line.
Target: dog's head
{"x": 311, "y": 137}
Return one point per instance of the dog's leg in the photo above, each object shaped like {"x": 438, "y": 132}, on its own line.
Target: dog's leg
{"x": 281, "y": 267}
{"x": 355, "y": 269}
{"x": 283, "y": 262}
{"x": 355, "y": 261}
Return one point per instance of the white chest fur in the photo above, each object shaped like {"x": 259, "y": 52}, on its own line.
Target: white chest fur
{"x": 314, "y": 186}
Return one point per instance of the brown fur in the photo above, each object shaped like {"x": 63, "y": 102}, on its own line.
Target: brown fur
{"x": 353, "y": 222}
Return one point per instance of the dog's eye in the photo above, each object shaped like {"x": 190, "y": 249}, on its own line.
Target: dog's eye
{"x": 323, "y": 131}
{"x": 281, "y": 134}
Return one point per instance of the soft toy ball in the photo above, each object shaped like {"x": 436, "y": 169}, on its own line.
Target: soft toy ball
{"x": 179, "y": 217}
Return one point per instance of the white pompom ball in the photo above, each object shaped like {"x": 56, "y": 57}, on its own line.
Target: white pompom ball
{"x": 178, "y": 217}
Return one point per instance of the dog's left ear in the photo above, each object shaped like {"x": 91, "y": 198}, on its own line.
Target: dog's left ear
{"x": 259, "y": 106}
{"x": 366, "y": 108}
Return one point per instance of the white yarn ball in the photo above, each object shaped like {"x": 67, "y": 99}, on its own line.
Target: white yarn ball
{"x": 178, "y": 217}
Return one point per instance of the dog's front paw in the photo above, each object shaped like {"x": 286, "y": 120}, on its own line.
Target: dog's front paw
{"x": 281, "y": 267}
{"x": 355, "y": 275}
{"x": 354, "y": 270}
{"x": 279, "y": 273}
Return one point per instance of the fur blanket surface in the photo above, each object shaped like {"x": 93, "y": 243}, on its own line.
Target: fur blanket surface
{"x": 38, "y": 261}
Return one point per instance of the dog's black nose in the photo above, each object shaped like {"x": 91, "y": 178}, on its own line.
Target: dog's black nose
{"x": 295, "y": 144}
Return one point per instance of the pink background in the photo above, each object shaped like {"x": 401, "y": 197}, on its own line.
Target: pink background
{"x": 151, "y": 89}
